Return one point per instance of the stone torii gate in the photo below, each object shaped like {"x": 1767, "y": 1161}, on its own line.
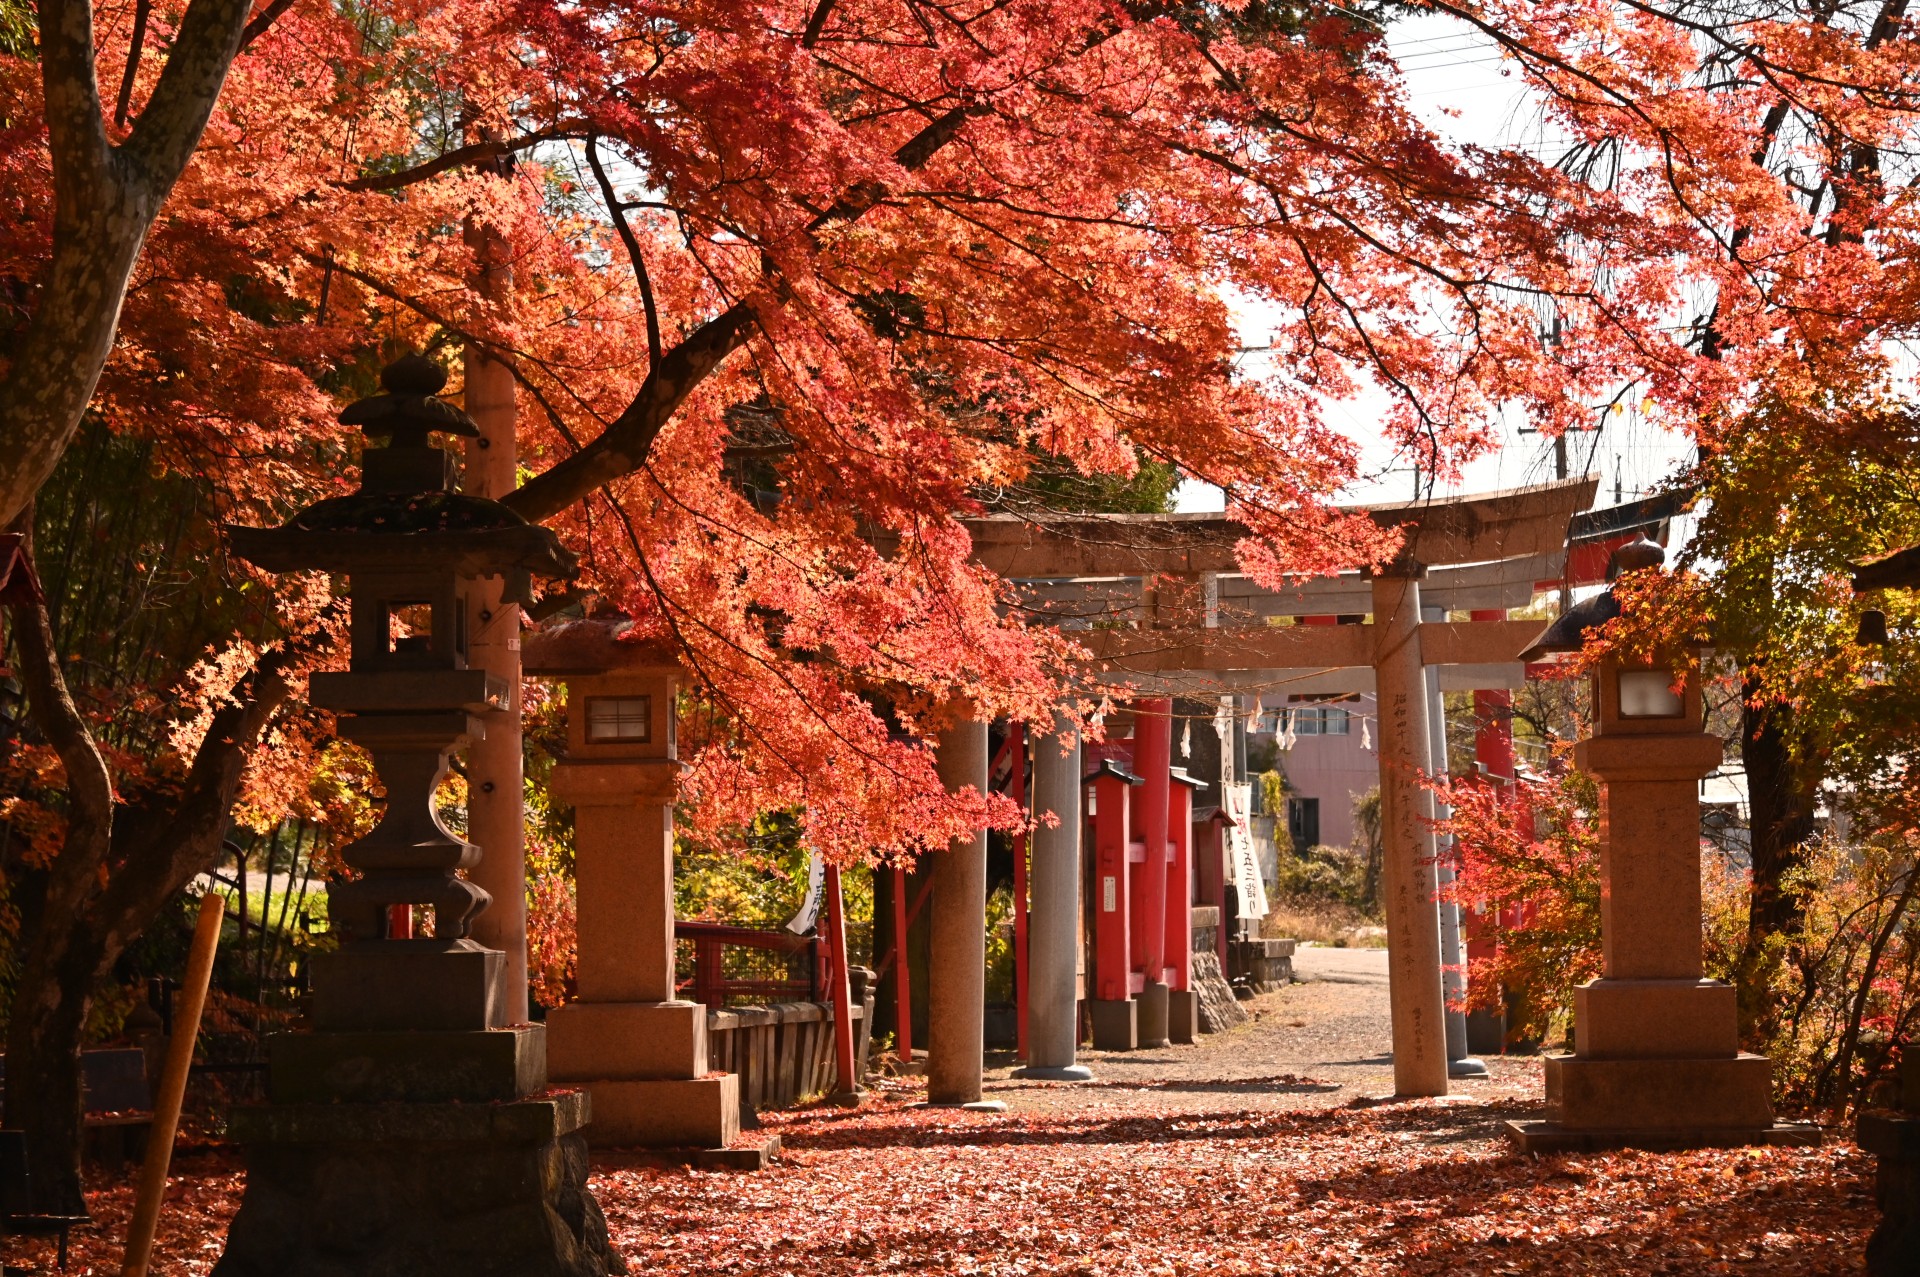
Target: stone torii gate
{"x": 1174, "y": 614}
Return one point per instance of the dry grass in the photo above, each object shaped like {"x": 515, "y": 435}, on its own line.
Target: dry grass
{"x": 1323, "y": 922}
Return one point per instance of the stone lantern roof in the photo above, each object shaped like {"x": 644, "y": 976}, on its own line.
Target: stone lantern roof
{"x": 1568, "y": 632}
{"x": 406, "y": 516}
{"x": 595, "y": 645}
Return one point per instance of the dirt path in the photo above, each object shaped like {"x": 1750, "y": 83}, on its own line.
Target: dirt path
{"x": 1319, "y": 1043}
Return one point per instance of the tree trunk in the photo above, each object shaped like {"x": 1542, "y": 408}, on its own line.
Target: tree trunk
{"x": 44, "y": 1039}
{"x": 111, "y": 878}
{"x": 1780, "y": 800}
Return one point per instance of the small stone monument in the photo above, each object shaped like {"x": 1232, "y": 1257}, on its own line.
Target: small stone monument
{"x": 410, "y": 1132}
{"x": 1894, "y": 1137}
{"x": 1657, "y": 1062}
{"x": 640, "y": 1052}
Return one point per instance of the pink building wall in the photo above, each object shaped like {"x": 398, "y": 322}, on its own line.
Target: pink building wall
{"x": 1334, "y": 769}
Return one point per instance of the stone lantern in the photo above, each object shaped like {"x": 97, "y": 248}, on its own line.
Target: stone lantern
{"x": 1657, "y": 1061}
{"x": 410, "y": 1131}
{"x": 638, "y": 1050}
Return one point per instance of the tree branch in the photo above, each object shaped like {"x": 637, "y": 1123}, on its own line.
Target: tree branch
{"x": 472, "y": 153}
{"x": 624, "y": 444}
{"x": 618, "y": 213}
{"x": 258, "y": 24}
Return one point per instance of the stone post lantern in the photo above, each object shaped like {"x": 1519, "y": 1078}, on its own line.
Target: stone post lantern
{"x": 641, "y": 1053}
{"x": 411, "y": 1132}
{"x": 1657, "y": 1061}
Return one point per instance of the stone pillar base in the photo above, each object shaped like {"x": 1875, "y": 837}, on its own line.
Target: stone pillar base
{"x": 1727, "y": 1093}
{"x": 591, "y": 1041}
{"x": 1718, "y": 1102}
{"x": 1183, "y": 1016}
{"x": 417, "y": 1190}
{"x": 1551, "y": 1137}
{"x": 1116, "y": 1024}
{"x": 1152, "y": 1001}
{"x": 665, "y": 1113}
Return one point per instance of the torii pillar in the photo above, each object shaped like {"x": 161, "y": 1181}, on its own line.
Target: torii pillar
{"x": 1053, "y": 1035}
{"x": 957, "y": 938}
{"x": 640, "y": 1052}
{"x": 1406, "y": 806}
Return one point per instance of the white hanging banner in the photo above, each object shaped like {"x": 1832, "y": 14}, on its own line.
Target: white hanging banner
{"x": 1243, "y": 864}
{"x": 809, "y": 914}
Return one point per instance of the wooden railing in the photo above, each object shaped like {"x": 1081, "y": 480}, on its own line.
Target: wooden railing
{"x": 710, "y": 985}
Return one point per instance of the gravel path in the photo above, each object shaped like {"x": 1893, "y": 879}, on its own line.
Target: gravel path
{"x": 1319, "y": 1043}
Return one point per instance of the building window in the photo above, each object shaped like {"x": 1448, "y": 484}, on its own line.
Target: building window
{"x": 1318, "y": 720}
{"x": 622, "y": 720}
{"x": 1303, "y": 821}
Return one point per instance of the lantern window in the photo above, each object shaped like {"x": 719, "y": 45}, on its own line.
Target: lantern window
{"x": 409, "y": 626}
{"x": 1649, "y": 694}
{"x": 620, "y": 719}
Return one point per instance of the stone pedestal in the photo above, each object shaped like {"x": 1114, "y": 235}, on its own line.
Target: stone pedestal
{"x": 645, "y": 1065}
{"x": 1153, "y": 1003}
{"x": 1183, "y": 1016}
{"x": 1116, "y": 1023}
{"x": 417, "y": 1190}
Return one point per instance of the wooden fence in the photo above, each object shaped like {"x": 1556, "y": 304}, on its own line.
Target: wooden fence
{"x": 784, "y": 1052}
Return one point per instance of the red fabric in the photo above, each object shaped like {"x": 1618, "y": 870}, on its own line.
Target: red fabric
{"x": 18, "y": 584}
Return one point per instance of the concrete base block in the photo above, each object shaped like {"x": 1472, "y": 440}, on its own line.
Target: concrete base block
{"x": 473, "y": 1067}
{"x": 1183, "y": 1015}
{"x": 1063, "y": 1073}
{"x": 1551, "y": 1137}
{"x": 386, "y": 986}
{"x": 682, "y": 1113}
{"x": 1731, "y": 1093}
{"x": 627, "y": 1041}
{"x": 970, "y": 1106}
{"x": 1656, "y": 1019}
{"x": 1116, "y": 1024}
{"x": 1152, "y": 1016}
{"x": 1467, "y": 1066}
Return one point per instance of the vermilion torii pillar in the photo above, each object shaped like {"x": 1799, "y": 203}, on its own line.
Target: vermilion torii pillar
{"x": 1152, "y": 760}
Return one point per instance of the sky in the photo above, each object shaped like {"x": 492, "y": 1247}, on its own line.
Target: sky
{"x": 1455, "y": 84}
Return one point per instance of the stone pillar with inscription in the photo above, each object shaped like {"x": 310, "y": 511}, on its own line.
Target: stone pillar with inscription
{"x": 1416, "y": 1003}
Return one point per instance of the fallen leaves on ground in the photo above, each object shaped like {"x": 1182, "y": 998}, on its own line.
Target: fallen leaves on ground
{"x": 1120, "y": 1188}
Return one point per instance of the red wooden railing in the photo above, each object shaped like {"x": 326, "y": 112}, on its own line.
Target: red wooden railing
{"x": 710, "y": 984}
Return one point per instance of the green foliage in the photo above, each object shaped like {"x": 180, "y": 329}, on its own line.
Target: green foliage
{"x": 19, "y": 33}
{"x": 1333, "y": 875}
{"x": 1845, "y": 980}
{"x": 1000, "y": 971}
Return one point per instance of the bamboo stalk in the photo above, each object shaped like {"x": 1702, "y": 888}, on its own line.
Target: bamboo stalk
{"x": 173, "y": 1086}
